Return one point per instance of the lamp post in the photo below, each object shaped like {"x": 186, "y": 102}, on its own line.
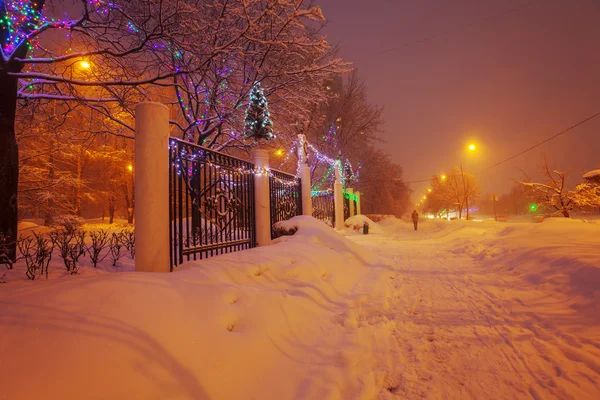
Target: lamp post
{"x": 462, "y": 174}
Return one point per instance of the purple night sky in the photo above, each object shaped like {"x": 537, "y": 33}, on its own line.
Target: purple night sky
{"x": 505, "y": 74}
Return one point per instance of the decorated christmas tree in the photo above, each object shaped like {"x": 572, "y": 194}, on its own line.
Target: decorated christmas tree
{"x": 257, "y": 124}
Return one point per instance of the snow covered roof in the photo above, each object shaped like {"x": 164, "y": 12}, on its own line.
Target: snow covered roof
{"x": 592, "y": 174}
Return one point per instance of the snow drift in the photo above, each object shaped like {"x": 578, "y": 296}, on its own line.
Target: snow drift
{"x": 279, "y": 322}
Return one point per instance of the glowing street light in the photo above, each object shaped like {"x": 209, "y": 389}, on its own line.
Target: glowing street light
{"x": 424, "y": 197}
{"x": 130, "y": 168}
{"x": 471, "y": 148}
{"x": 85, "y": 65}
{"x": 279, "y": 152}
{"x": 429, "y": 190}
{"x": 443, "y": 177}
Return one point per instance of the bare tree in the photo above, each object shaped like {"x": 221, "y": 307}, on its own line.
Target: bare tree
{"x": 553, "y": 194}
{"x": 133, "y": 42}
{"x": 277, "y": 43}
{"x": 452, "y": 193}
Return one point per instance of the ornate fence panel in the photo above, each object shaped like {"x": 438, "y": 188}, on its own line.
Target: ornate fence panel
{"x": 324, "y": 207}
{"x": 286, "y": 197}
{"x": 211, "y": 203}
{"x": 346, "y": 208}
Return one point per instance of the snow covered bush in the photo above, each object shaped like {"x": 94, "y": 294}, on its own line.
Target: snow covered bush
{"x": 68, "y": 222}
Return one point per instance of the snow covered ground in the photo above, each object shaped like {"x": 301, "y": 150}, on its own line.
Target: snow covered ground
{"x": 458, "y": 309}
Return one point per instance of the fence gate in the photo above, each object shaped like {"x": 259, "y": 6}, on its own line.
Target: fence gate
{"x": 211, "y": 198}
{"x": 324, "y": 207}
{"x": 285, "y": 197}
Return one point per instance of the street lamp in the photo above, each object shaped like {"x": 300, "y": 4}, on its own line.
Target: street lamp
{"x": 443, "y": 177}
{"x": 471, "y": 148}
{"x": 130, "y": 168}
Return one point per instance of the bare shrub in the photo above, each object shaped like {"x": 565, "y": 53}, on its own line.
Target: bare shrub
{"x": 100, "y": 241}
{"x": 5, "y": 246}
{"x": 43, "y": 253}
{"x": 69, "y": 223}
{"x": 71, "y": 246}
{"x": 116, "y": 245}
{"x": 27, "y": 249}
{"x": 127, "y": 237}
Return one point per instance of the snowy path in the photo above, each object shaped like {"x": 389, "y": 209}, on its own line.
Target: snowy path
{"x": 466, "y": 330}
{"x": 457, "y": 310}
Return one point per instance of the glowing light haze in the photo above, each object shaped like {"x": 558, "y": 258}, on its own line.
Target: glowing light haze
{"x": 503, "y": 74}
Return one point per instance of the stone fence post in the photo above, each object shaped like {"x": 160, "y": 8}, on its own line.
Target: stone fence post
{"x": 152, "y": 187}
{"x": 338, "y": 199}
{"x": 303, "y": 173}
{"x": 262, "y": 197}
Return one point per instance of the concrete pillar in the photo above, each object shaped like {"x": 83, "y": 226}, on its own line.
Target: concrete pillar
{"x": 351, "y": 202}
{"x": 152, "y": 187}
{"x": 357, "y": 203}
{"x": 303, "y": 173}
{"x": 338, "y": 200}
{"x": 262, "y": 198}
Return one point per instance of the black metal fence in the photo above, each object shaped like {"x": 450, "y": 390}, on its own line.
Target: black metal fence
{"x": 324, "y": 207}
{"x": 286, "y": 197}
{"x": 211, "y": 199}
{"x": 346, "y": 208}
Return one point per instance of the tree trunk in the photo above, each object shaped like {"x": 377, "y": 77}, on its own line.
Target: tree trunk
{"x": 9, "y": 162}
{"x": 111, "y": 213}
{"x": 79, "y": 184}
{"x": 51, "y": 177}
{"x": 130, "y": 215}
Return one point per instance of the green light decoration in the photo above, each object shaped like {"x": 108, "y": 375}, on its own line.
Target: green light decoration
{"x": 350, "y": 196}
{"x": 533, "y": 207}
{"x": 257, "y": 124}
{"x": 328, "y": 173}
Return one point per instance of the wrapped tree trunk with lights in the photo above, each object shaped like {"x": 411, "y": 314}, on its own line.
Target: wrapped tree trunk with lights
{"x": 13, "y": 46}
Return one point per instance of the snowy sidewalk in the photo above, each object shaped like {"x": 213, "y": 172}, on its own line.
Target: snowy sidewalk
{"x": 457, "y": 310}
{"x": 470, "y": 327}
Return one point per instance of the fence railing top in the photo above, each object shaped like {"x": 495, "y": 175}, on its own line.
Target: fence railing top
{"x": 197, "y": 146}
{"x": 287, "y": 174}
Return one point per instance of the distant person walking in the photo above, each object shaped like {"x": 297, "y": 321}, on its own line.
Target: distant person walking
{"x": 415, "y": 218}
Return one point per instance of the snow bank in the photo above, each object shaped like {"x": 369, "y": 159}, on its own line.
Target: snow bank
{"x": 26, "y": 225}
{"x": 355, "y": 224}
{"x": 592, "y": 174}
{"x": 303, "y": 318}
